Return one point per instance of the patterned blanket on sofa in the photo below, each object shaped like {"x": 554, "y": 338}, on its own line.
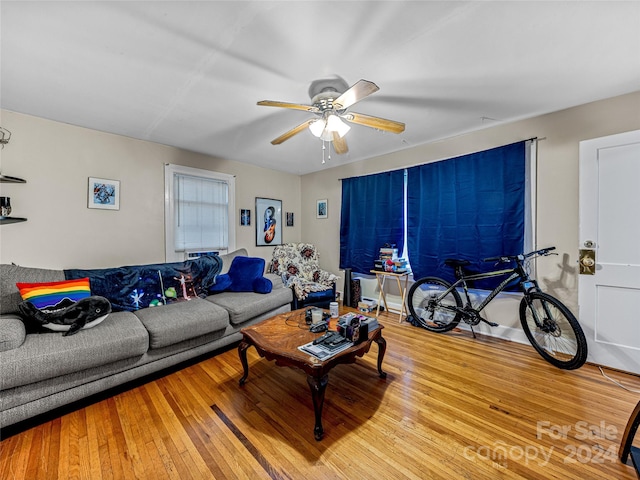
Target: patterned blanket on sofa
{"x": 139, "y": 286}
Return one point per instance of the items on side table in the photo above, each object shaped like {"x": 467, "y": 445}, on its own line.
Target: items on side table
{"x": 388, "y": 260}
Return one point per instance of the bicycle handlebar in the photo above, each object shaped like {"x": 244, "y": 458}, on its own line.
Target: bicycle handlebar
{"x": 510, "y": 258}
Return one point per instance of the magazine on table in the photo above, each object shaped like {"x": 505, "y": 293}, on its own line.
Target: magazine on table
{"x": 325, "y": 351}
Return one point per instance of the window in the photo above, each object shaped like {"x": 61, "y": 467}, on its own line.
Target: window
{"x": 199, "y": 212}
{"x": 475, "y": 206}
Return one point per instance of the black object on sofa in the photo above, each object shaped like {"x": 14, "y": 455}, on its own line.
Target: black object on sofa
{"x": 298, "y": 266}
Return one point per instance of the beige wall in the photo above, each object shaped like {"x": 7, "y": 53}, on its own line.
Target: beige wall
{"x": 56, "y": 159}
{"x": 61, "y": 232}
{"x": 557, "y": 216}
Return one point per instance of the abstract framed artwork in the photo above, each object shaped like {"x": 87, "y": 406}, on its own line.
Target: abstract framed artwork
{"x": 103, "y": 193}
{"x": 268, "y": 222}
{"x": 245, "y": 217}
{"x": 289, "y": 219}
{"x": 321, "y": 208}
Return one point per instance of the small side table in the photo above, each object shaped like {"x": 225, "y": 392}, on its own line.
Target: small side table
{"x": 402, "y": 288}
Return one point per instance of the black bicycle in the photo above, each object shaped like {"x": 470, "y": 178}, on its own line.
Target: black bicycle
{"x": 549, "y": 325}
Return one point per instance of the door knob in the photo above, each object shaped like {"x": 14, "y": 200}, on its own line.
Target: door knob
{"x": 588, "y": 262}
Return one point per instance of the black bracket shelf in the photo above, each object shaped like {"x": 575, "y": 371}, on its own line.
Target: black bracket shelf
{"x": 7, "y": 220}
{"x": 8, "y": 179}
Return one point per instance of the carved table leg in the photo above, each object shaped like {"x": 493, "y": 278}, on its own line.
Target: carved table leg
{"x": 242, "y": 352}
{"x": 382, "y": 348}
{"x": 318, "y": 387}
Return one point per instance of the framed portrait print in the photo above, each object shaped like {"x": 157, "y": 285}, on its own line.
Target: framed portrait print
{"x": 103, "y": 193}
{"x": 245, "y": 217}
{"x": 268, "y": 222}
{"x": 321, "y": 208}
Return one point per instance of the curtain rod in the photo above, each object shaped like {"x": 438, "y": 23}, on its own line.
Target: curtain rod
{"x": 439, "y": 160}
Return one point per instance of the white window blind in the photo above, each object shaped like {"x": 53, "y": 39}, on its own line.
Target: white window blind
{"x": 201, "y": 218}
{"x": 199, "y": 211}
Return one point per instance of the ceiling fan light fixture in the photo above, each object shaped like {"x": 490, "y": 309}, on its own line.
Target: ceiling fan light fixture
{"x": 317, "y": 127}
{"x": 334, "y": 124}
{"x": 327, "y": 136}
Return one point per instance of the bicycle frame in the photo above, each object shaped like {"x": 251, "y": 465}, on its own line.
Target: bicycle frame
{"x": 527, "y": 284}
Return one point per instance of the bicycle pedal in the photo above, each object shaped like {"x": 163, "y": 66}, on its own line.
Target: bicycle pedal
{"x": 492, "y": 324}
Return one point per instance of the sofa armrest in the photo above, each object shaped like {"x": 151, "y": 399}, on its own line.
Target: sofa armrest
{"x": 12, "y": 332}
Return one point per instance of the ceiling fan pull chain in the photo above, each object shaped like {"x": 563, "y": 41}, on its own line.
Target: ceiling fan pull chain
{"x": 323, "y": 149}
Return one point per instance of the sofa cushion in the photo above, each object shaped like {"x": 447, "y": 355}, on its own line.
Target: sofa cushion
{"x": 182, "y": 321}
{"x": 11, "y": 274}
{"x": 227, "y": 258}
{"x": 12, "y": 332}
{"x": 243, "y": 306}
{"x": 47, "y": 355}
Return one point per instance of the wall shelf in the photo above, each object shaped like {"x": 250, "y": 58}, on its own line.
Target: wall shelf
{"x": 8, "y": 179}
{"x": 7, "y": 220}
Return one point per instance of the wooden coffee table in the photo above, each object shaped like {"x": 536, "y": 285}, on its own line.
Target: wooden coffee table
{"x": 279, "y": 337}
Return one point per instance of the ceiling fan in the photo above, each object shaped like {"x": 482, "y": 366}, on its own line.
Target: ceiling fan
{"x": 330, "y": 99}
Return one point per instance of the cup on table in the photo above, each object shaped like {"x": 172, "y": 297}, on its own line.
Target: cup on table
{"x": 333, "y": 308}
{"x": 316, "y": 315}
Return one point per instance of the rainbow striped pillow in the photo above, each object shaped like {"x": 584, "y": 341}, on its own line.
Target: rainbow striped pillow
{"x": 49, "y": 294}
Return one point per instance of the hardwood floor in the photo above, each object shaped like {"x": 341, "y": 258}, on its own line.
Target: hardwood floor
{"x": 451, "y": 407}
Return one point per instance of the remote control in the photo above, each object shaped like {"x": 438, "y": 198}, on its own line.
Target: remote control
{"x": 322, "y": 338}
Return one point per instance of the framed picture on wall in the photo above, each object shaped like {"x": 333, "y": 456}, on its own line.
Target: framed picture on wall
{"x": 268, "y": 222}
{"x": 289, "y": 219}
{"x": 321, "y": 208}
{"x": 103, "y": 193}
{"x": 245, "y": 217}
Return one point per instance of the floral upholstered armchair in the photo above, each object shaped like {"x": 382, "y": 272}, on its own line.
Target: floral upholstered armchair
{"x": 298, "y": 266}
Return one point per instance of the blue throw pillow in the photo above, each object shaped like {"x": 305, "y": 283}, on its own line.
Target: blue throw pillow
{"x": 245, "y": 275}
{"x": 243, "y": 271}
{"x": 222, "y": 283}
{"x": 262, "y": 285}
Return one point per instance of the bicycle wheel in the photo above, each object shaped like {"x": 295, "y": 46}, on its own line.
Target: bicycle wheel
{"x": 429, "y": 308}
{"x": 553, "y": 331}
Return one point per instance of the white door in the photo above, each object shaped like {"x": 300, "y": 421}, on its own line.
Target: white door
{"x": 609, "y": 301}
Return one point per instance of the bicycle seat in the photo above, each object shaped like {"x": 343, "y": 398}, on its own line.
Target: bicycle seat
{"x": 454, "y": 262}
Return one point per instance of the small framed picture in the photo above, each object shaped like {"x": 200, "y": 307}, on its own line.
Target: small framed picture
{"x": 321, "y": 208}
{"x": 289, "y": 219}
{"x": 245, "y": 217}
{"x": 268, "y": 222}
{"x": 103, "y": 193}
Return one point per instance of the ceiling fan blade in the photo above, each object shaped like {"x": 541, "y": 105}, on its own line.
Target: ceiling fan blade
{"x": 339, "y": 144}
{"x": 291, "y": 133}
{"x": 358, "y": 91}
{"x": 294, "y": 106}
{"x": 374, "y": 122}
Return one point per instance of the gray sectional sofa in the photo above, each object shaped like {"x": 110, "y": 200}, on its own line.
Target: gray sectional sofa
{"x": 41, "y": 372}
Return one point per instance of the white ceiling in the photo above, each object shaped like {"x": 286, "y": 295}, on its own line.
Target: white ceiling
{"x": 189, "y": 74}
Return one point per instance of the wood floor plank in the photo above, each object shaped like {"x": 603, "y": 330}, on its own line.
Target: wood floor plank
{"x": 451, "y": 407}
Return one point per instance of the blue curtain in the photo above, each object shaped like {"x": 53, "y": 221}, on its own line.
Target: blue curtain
{"x": 469, "y": 207}
{"x": 372, "y": 215}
